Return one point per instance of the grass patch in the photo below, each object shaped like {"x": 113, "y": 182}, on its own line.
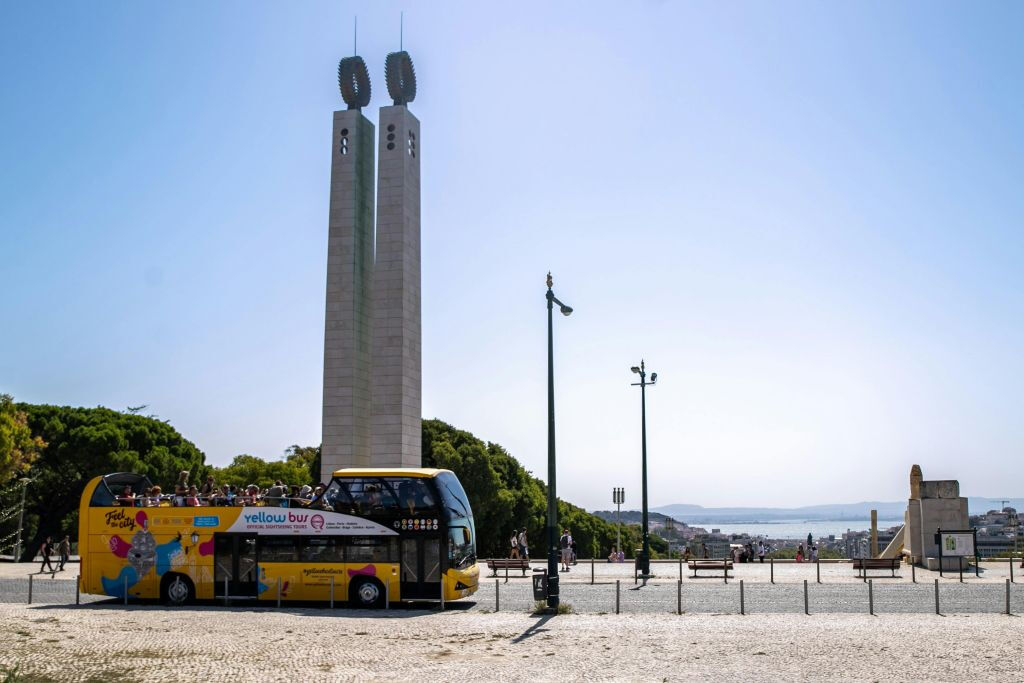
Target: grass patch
{"x": 13, "y": 675}
{"x": 541, "y": 607}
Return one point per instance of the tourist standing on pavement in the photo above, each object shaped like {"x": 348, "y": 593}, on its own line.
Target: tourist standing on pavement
{"x": 524, "y": 546}
{"x": 514, "y": 543}
{"x": 65, "y": 552}
{"x": 572, "y": 546}
{"x": 46, "y": 550}
{"x": 814, "y": 553}
{"x": 800, "y": 553}
{"x": 760, "y": 551}
{"x": 565, "y": 543}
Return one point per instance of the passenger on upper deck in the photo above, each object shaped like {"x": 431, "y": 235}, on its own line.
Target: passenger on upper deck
{"x": 127, "y": 498}
{"x": 192, "y": 500}
{"x": 181, "y": 488}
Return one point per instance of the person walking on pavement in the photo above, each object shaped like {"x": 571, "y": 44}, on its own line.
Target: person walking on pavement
{"x": 64, "y": 551}
{"x": 46, "y": 550}
{"x": 514, "y": 542}
{"x": 760, "y": 551}
{"x": 524, "y": 547}
{"x": 565, "y": 543}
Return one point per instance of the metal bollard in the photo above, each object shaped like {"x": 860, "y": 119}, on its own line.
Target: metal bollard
{"x": 961, "y": 564}
{"x": 1011, "y": 568}
{"x": 616, "y": 596}
{"x": 506, "y": 572}
{"x": 387, "y": 593}
{"x": 497, "y": 595}
{"x": 30, "y": 589}
{"x": 725, "y": 575}
{"x": 937, "y": 597}
{"x": 225, "y": 591}
{"x": 78, "y": 590}
{"x": 680, "y": 569}
{"x": 442, "y": 593}
{"x": 871, "y": 598}
{"x": 913, "y": 572}
{"x": 806, "y": 601}
{"x": 1007, "y": 597}
{"x": 279, "y": 591}
{"x": 125, "y": 590}
{"x": 332, "y": 591}
{"x": 817, "y": 566}
{"x": 742, "y": 605}
{"x": 679, "y": 597}
{"x": 591, "y": 571}
{"x": 772, "y": 559}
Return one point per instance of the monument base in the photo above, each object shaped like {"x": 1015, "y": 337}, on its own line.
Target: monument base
{"x": 949, "y": 564}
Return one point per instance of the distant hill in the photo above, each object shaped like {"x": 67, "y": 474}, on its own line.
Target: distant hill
{"x": 698, "y": 514}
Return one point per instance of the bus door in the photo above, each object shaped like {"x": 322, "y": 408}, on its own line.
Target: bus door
{"x": 234, "y": 559}
{"x": 421, "y": 568}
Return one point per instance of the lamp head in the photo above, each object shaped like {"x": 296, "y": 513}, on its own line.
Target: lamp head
{"x": 654, "y": 377}
{"x": 566, "y": 310}
{"x": 635, "y": 369}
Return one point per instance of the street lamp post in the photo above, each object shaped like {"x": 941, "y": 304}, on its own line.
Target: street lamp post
{"x": 618, "y": 497}
{"x": 644, "y": 564}
{"x": 552, "y": 496}
{"x": 21, "y": 519}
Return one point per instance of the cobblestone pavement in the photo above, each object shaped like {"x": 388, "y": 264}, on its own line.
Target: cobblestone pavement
{"x": 153, "y": 644}
{"x": 839, "y": 592}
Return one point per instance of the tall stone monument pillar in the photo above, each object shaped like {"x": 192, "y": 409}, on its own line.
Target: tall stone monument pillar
{"x": 347, "y": 335}
{"x": 397, "y": 374}
{"x": 933, "y": 505}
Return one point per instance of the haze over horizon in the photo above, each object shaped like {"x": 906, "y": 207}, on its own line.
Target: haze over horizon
{"x": 805, "y": 218}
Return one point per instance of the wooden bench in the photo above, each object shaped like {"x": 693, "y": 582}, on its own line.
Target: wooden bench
{"x": 506, "y": 564}
{"x": 710, "y": 565}
{"x": 863, "y": 564}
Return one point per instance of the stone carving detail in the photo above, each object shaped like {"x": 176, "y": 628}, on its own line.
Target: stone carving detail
{"x": 915, "y": 481}
{"x": 401, "y": 77}
{"x": 354, "y": 82}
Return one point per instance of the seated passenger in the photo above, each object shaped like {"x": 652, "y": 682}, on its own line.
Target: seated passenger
{"x": 275, "y": 494}
{"x": 192, "y": 499}
{"x": 154, "y": 496}
{"x": 127, "y": 498}
{"x": 230, "y": 495}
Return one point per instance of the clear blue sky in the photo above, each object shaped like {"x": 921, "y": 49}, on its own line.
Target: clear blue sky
{"x": 805, "y": 216}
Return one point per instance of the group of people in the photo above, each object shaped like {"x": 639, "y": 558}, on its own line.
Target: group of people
{"x": 519, "y": 548}
{"x": 748, "y": 552}
{"x": 63, "y": 553}
{"x": 811, "y": 556}
{"x": 210, "y": 494}
{"x": 616, "y": 555}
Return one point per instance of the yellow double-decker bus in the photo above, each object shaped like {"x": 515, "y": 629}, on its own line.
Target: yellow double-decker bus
{"x": 374, "y": 535}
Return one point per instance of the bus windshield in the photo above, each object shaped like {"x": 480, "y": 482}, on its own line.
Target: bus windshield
{"x": 461, "y": 531}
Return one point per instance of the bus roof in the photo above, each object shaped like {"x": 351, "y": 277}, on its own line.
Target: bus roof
{"x": 420, "y": 472}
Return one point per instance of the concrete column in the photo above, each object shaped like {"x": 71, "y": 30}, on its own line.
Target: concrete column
{"x": 347, "y": 333}
{"x": 397, "y": 376}
{"x": 874, "y": 533}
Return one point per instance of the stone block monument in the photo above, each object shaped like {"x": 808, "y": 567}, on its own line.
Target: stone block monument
{"x": 933, "y": 505}
{"x": 372, "y": 348}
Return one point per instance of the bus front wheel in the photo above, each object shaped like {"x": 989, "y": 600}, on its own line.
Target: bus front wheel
{"x": 176, "y": 589}
{"x": 367, "y": 593}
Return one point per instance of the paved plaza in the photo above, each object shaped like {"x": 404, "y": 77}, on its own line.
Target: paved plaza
{"x": 614, "y": 590}
{"x": 151, "y": 643}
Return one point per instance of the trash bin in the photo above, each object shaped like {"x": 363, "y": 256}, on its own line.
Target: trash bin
{"x": 540, "y": 584}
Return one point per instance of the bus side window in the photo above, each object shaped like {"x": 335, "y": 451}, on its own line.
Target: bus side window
{"x": 321, "y": 549}
{"x": 277, "y": 549}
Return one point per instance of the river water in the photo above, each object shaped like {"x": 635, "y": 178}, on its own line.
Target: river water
{"x": 797, "y": 529}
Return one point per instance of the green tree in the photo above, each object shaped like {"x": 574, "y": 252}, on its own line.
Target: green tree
{"x": 248, "y": 469}
{"x": 18, "y": 447}
{"x": 87, "y": 442}
{"x": 506, "y": 497}
{"x": 308, "y": 457}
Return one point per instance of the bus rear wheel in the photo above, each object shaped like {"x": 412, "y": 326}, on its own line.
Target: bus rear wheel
{"x": 177, "y": 589}
{"x": 366, "y": 593}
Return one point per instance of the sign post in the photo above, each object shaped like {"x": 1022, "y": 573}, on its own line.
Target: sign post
{"x": 959, "y": 543}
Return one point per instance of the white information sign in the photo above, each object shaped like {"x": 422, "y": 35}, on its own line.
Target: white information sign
{"x": 957, "y": 544}
{"x": 281, "y": 521}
